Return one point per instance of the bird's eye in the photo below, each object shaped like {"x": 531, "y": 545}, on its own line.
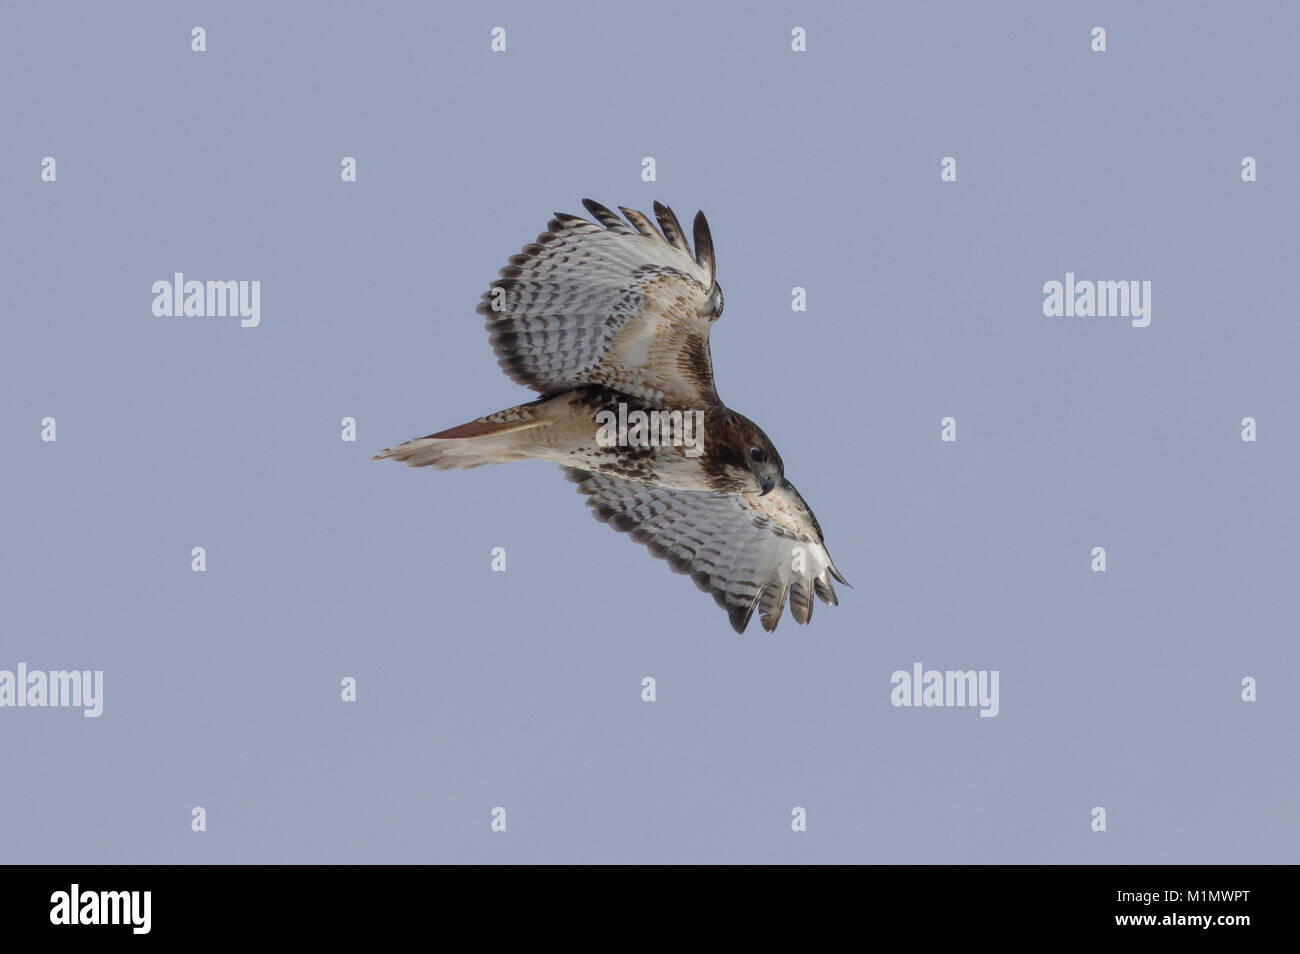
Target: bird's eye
{"x": 755, "y": 454}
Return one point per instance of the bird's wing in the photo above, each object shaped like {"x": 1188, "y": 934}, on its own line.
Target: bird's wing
{"x": 622, "y": 304}
{"x": 749, "y": 551}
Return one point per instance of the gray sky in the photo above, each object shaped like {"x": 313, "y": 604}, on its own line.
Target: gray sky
{"x": 522, "y": 689}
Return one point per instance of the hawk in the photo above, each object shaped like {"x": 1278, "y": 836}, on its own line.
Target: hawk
{"x": 609, "y": 321}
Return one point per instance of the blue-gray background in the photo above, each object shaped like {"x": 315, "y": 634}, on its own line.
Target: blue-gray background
{"x": 481, "y": 689}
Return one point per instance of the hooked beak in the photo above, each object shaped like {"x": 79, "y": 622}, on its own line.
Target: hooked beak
{"x": 766, "y": 486}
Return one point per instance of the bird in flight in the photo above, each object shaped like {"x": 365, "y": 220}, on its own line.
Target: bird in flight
{"x": 609, "y": 321}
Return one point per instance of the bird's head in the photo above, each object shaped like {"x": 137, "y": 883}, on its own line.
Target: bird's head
{"x": 753, "y": 453}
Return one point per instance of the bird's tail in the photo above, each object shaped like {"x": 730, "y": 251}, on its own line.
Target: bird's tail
{"x": 494, "y": 439}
